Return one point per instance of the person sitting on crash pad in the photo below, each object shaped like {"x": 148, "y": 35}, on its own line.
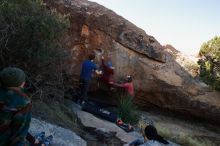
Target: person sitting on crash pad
{"x": 128, "y": 85}
{"x": 150, "y": 138}
{"x": 15, "y": 108}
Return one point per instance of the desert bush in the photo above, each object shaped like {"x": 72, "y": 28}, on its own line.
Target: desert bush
{"x": 210, "y": 62}
{"x": 191, "y": 66}
{"x": 29, "y": 33}
{"x": 128, "y": 110}
{"x": 30, "y": 37}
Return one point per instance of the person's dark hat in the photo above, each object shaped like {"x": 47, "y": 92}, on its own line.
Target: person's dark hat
{"x": 12, "y": 77}
{"x": 91, "y": 56}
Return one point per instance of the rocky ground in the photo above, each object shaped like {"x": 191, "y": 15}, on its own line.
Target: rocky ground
{"x": 184, "y": 130}
{"x": 61, "y": 136}
{"x": 61, "y": 114}
{"x": 98, "y": 132}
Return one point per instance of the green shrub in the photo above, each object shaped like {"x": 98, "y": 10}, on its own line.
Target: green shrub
{"x": 30, "y": 36}
{"x": 192, "y": 66}
{"x": 210, "y": 63}
{"x": 128, "y": 110}
{"x": 29, "y": 33}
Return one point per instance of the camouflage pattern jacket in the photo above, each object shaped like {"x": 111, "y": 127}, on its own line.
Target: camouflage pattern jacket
{"x": 15, "y": 117}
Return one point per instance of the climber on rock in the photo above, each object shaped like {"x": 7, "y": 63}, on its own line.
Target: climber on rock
{"x": 88, "y": 67}
{"x": 108, "y": 72}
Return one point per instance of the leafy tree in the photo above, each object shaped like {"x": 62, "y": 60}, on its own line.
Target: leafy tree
{"x": 30, "y": 35}
{"x": 210, "y": 62}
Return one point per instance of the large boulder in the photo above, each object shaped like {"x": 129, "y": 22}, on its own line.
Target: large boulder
{"x": 158, "y": 78}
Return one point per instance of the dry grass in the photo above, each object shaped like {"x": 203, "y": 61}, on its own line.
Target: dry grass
{"x": 179, "y": 131}
{"x": 186, "y": 139}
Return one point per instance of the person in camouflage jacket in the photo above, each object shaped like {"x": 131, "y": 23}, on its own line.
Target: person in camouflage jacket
{"x": 15, "y": 108}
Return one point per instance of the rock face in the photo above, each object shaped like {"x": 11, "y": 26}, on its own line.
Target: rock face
{"x": 158, "y": 78}
{"x": 61, "y": 136}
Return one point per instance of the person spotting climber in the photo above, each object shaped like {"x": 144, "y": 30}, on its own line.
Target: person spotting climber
{"x": 128, "y": 85}
{"x": 15, "y": 108}
{"x": 88, "y": 67}
{"x": 108, "y": 71}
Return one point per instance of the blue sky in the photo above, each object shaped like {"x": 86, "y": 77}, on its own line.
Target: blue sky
{"x": 185, "y": 24}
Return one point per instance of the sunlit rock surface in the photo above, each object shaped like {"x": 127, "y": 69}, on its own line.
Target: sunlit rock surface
{"x": 159, "y": 80}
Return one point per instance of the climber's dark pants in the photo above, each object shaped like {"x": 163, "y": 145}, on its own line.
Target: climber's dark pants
{"x": 84, "y": 87}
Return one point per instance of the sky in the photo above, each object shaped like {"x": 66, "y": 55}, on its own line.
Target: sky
{"x": 185, "y": 24}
